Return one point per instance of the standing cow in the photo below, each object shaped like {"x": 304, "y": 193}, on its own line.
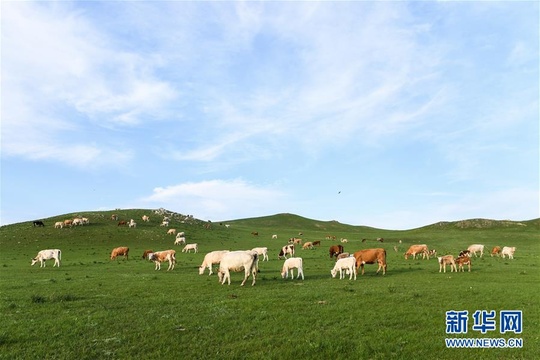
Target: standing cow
{"x": 43, "y": 255}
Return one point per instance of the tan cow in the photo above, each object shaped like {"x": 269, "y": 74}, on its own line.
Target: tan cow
{"x": 476, "y": 248}
{"x": 68, "y": 223}
{"x": 447, "y": 260}
{"x": 463, "y": 260}
{"x": 371, "y": 256}
{"x": 120, "y": 251}
{"x": 307, "y": 245}
{"x": 145, "y": 218}
{"x": 171, "y": 232}
{"x": 417, "y": 250}
{"x": 496, "y": 251}
{"x": 508, "y": 250}
{"x": 160, "y": 256}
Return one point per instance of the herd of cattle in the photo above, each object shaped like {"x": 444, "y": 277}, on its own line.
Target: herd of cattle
{"x": 248, "y": 260}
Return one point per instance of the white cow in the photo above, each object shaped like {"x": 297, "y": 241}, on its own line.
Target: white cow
{"x": 473, "y": 249}
{"x": 274, "y": 236}
{"x": 261, "y": 251}
{"x": 238, "y": 261}
{"x": 507, "y": 250}
{"x": 180, "y": 240}
{"x": 132, "y": 223}
{"x": 180, "y": 234}
{"x": 346, "y": 263}
{"x": 213, "y": 257}
{"x": 190, "y": 247}
{"x": 289, "y": 265}
{"x": 58, "y": 224}
{"x": 43, "y": 255}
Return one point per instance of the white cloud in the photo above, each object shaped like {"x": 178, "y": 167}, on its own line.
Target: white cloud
{"x": 216, "y": 199}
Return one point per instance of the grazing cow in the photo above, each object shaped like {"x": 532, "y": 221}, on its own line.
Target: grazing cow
{"x": 274, "y": 236}
{"x": 447, "y": 260}
{"x": 496, "y": 251}
{"x": 85, "y": 221}
{"x": 164, "y": 223}
{"x": 77, "y": 222}
{"x": 261, "y": 251}
{"x": 344, "y": 240}
{"x": 295, "y": 240}
{"x": 371, "y": 256}
{"x": 120, "y": 251}
{"x": 507, "y": 250}
{"x": 58, "y": 224}
{"x": 122, "y": 223}
{"x": 343, "y": 255}
{"x": 476, "y": 248}
{"x": 180, "y": 234}
{"x": 380, "y": 239}
{"x": 432, "y": 252}
{"x": 317, "y": 243}
{"x": 286, "y": 250}
{"x": 416, "y": 250}
{"x": 161, "y": 256}
{"x": 255, "y": 233}
{"x": 171, "y": 232}
{"x": 465, "y": 253}
{"x": 335, "y": 250}
{"x": 227, "y": 226}
{"x": 38, "y": 223}
{"x": 189, "y": 247}
{"x": 238, "y": 261}
{"x": 289, "y": 265}
{"x": 146, "y": 253}
{"x": 43, "y": 255}
{"x": 463, "y": 260}
{"x": 347, "y": 264}
{"x": 145, "y": 218}
{"x": 307, "y": 245}
{"x": 213, "y": 257}
{"x": 132, "y": 223}
{"x": 68, "y": 222}
{"x": 180, "y": 240}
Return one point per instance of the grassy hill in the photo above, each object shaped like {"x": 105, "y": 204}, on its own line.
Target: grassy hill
{"x": 92, "y": 307}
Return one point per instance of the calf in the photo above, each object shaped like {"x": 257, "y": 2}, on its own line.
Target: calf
{"x": 335, "y": 250}
{"x": 465, "y": 253}
{"x": 496, "y": 251}
{"x": 317, "y": 243}
{"x": 508, "y": 251}
{"x": 463, "y": 260}
{"x": 146, "y": 253}
{"x": 261, "y": 251}
{"x": 238, "y": 261}
{"x": 43, "y": 255}
{"x": 307, "y": 245}
{"x": 347, "y": 264}
{"x": 171, "y": 232}
{"x": 120, "y": 251}
{"x": 447, "y": 260}
{"x": 161, "y": 256}
{"x": 371, "y": 256}
{"x": 210, "y": 259}
{"x": 476, "y": 248}
{"x": 291, "y": 264}
{"x": 180, "y": 240}
{"x": 189, "y": 247}
{"x": 58, "y": 224}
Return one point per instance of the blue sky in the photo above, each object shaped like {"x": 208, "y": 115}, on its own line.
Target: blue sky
{"x": 387, "y": 114}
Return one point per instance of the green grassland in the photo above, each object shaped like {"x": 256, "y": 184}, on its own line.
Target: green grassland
{"x": 95, "y": 308}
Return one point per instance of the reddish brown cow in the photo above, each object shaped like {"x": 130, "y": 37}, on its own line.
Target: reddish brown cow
{"x": 463, "y": 260}
{"x": 145, "y": 254}
{"x": 417, "y": 250}
{"x": 371, "y": 256}
{"x": 335, "y": 250}
{"x": 120, "y": 251}
{"x": 121, "y": 223}
{"x": 496, "y": 251}
{"x": 317, "y": 243}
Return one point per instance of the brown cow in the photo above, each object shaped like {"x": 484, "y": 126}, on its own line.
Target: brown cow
{"x": 146, "y": 252}
{"x": 161, "y": 256}
{"x": 335, "y": 250}
{"x": 496, "y": 251}
{"x": 255, "y": 233}
{"x": 463, "y": 260}
{"x": 317, "y": 243}
{"x": 120, "y": 251}
{"x": 371, "y": 256}
{"x": 122, "y": 223}
{"x": 417, "y": 250}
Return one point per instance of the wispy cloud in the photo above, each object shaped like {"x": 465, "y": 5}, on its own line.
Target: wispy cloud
{"x": 217, "y": 199}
